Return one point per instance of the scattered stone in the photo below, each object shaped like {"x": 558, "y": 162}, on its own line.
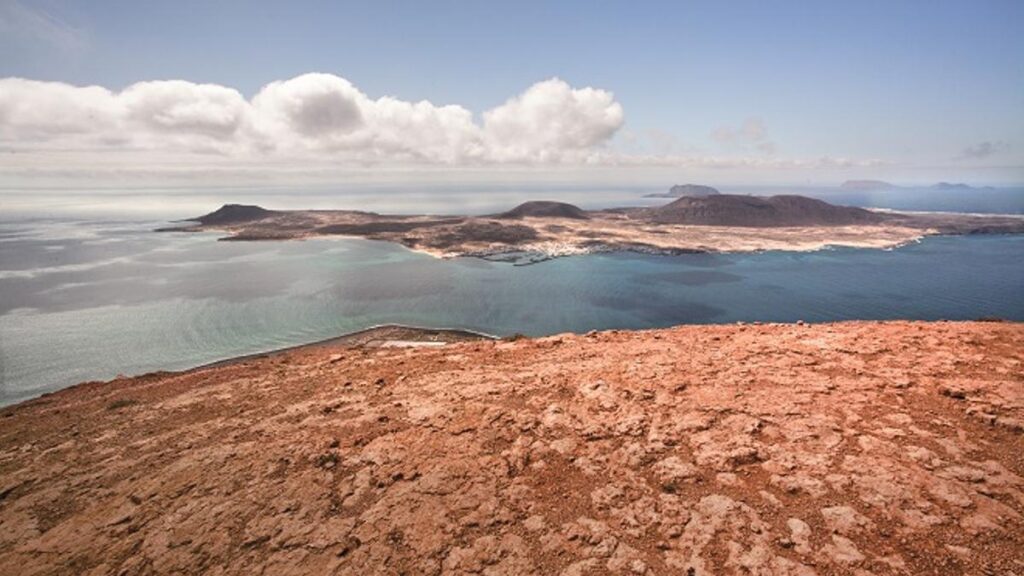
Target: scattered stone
{"x": 842, "y": 551}
{"x": 845, "y": 520}
{"x": 800, "y": 534}
{"x": 672, "y": 473}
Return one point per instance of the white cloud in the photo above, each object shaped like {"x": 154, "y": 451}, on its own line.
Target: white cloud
{"x": 551, "y": 120}
{"x": 326, "y": 113}
{"x": 319, "y": 115}
{"x": 164, "y": 115}
{"x": 179, "y": 107}
{"x": 316, "y": 126}
{"x": 53, "y": 111}
{"x": 311, "y": 106}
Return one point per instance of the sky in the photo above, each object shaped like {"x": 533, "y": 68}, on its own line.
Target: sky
{"x": 207, "y": 93}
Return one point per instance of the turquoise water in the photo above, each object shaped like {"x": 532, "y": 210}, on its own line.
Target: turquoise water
{"x": 83, "y": 299}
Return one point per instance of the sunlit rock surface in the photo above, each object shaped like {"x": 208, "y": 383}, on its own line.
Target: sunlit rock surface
{"x": 866, "y": 448}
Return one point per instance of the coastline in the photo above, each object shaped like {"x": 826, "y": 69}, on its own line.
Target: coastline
{"x": 378, "y": 335}
{"x": 529, "y": 253}
{"x": 371, "y": 336}
{"x": 396, "y": 335}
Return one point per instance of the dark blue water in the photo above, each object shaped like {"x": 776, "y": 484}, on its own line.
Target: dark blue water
{"x": 87, "y": 299}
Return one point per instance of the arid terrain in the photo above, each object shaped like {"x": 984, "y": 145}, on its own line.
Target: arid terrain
{"x": 850, "y": 448}
{"x": 709, "y": 223}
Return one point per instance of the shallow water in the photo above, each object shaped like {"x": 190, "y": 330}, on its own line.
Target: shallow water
{"x": 86, "y": 299}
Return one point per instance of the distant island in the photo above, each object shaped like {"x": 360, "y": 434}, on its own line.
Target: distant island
{"x": 958, "y": 186}
{"x": 540, "y": 230}
{"x": 686, "y": 190}
{"x": 882, "y": 185}
{"x": 867, "y": 185}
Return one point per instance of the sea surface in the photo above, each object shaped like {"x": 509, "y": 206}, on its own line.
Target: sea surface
{"x": 90, "y": 294}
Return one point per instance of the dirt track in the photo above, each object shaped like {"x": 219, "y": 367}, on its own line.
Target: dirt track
{"x": 885, "y": 448}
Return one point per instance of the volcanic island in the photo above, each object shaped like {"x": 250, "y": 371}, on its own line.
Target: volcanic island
{"x": 539, "y": 230}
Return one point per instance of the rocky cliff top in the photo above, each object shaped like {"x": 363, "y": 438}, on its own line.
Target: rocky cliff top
{"x": 884, "y": 448}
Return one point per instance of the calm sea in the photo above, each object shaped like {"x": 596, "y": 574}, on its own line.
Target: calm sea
{"x": 87, "y": 295}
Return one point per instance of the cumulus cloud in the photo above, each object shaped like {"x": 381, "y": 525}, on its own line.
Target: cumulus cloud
{"x": 323, "y": 112}
{"x": 314, "y": 125}
{"x": 319, "y": 114}
{"x": 551, "y": 119}
{"x": 178, "y": 107}
{"x": 311, "y": 106}
{"x": 52, "y": 111}
{"x": 752, "y": 134}
{"x": 173, "y": 115}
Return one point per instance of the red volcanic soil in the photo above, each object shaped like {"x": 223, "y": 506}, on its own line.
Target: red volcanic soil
{"x": 852, "y": 448}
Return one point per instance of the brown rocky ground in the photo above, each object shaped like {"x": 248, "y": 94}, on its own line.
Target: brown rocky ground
{"x": 854, "y": 448}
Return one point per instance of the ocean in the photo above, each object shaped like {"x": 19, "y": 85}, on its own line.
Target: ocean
{"x": 88, "y": 291}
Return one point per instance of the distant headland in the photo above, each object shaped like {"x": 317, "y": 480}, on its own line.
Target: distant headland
{"x": 867, "y": 185}
{"x": 882, "y": 185}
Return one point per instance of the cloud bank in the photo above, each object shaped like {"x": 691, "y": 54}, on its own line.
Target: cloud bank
{"x": 313, "y": 115}
{"x": 320, "y": 128}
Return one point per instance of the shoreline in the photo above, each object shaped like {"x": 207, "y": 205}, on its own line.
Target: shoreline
{"x": 370, "y": 337}
{"x": 396, "y": 335}
{"x": 378, "y": 335}
{"x": 528, "y": 254}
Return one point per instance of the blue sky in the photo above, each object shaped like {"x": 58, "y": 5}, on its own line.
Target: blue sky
{"x": 910, "y": 90}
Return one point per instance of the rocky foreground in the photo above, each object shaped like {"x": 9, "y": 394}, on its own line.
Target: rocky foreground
{"x": 854, "y": 448}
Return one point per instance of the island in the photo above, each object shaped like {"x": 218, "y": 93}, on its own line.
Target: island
{"x": 681, "y": 190}
{"x": 877, "y": 185}
{"x": 539, "y": 230}
{"x": 867, "y": 185}
{"x": 849, "y": 448}
{"x": 959, "y": 187}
